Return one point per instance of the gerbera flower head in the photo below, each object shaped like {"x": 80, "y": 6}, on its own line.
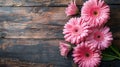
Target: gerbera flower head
{"x": 75, "y": 30}
{"x": 72, "y": 8}
{"x": 86, "y": 56}
{"x": 64, "y": 48}
{"x": 100, "y": 37}
{"x": 96, "y": 12}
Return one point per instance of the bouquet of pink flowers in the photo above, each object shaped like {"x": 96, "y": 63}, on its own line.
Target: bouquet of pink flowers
{"x": 88, "y": 36}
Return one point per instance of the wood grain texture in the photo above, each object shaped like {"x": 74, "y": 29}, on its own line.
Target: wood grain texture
{"x": 46, "y": 2}
{"x": 30, "y": 33}
{"x": 47, "y": 22}
{"x": 38, "y": 51}
{"x": 16, "y": 63}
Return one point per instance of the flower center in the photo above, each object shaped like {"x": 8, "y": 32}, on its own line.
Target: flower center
{"x": 98, "y": 36}
{"x": 76, "y": 30}
{"x": 87, "y": 54}
{"x": 95, "y": 13}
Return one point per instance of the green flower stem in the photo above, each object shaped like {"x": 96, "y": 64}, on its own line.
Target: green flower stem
{"x": 111, "y": 56}
{"x": 115, "y": 51}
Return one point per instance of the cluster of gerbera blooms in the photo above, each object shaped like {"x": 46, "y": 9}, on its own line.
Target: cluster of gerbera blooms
{"x": 87, "y": 34}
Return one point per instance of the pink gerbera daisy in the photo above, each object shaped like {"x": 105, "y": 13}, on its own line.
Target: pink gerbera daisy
{"x": 86, "y": 56}
{"x": 75, "y": 30}
{"x": 64, "y": 48}
{"x": 100, "y": 37}
{"x": 96, "y": 12}
{"x": 72, "y": 8}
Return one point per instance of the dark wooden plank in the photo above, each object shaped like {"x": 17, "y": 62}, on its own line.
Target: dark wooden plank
{"x": 16, "y": 63}
{"x": 43, "y": 15}
{"x": 36, "y": 51}
{"x": 36, "y": 2}
{"x": 46, "y": 2}
{"x": 4, "y": 43}
{"x": 117, "y": 43}
{"x": 32, "y": 30}
{"x": 30, "y": 22}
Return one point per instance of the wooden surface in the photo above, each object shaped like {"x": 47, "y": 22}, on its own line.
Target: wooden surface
{"x": 30, "y": 31}
{"x": 46, "y": 2}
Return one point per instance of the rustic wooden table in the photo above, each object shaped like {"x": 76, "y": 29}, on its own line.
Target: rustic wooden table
{"x": 30, "y": 31}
